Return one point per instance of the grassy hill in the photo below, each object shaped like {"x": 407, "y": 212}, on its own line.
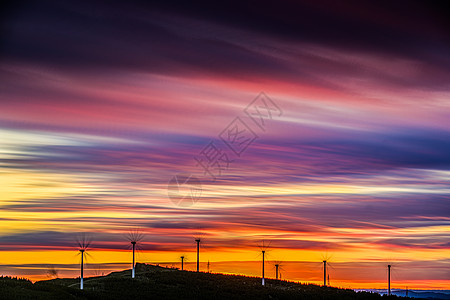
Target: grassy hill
{"x": 153, "y": 282}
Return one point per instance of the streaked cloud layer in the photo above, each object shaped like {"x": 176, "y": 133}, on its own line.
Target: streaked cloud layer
{"x": 101, "y": 104}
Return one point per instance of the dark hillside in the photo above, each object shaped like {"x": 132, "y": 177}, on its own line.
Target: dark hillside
{"x": 153, "y": 282}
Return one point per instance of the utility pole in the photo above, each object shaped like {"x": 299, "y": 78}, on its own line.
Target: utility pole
{"x": 198, "y": 254}
{"x": 325, "y": 273}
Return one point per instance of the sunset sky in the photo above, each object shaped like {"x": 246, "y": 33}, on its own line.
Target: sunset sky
{"x": 102, "y": 104}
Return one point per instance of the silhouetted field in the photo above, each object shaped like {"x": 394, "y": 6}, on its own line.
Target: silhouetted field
{"x": 153, "y": 282}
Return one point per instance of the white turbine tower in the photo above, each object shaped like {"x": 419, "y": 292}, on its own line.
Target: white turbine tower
{"x": 263, "y": 247}
{"x": 83, "y": 245}
{"x": 135, "y": 236}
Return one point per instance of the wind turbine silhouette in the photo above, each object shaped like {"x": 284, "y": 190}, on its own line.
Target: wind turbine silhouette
{"x": 134, "y": 236}
{"x": 278, "y": 267}
{"x": 52, "y": 272}
{"x": 389, "y": 279}
{"x": 326, "y": 263}
{"x": 197, "y": 240}
{"x": 83, "y": 245}
{"x": 183, "y": 259}
{"x": 200, "y": 242}
{"x": 390, "y": 268}
{"x": 263, "y": 246}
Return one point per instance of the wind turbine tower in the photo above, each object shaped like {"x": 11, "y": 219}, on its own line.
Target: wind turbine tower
{"x": 82, "y": 269}
{"x": 134, "y": 264}
{"x": 325, "y": 273}
{"x": 263, "y": 248}
{"x": 198, "y": 254}
{"x": 389, "y": 280}
{"x": 134, "y": 236}
{"x": 83, "y": 245}
{"x": 276, "y": 271}
{"x": 263, "y": 253}
{"x": 182, "y": 263}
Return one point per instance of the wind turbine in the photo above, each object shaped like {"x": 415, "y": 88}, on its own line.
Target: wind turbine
{"x": 391, "y": 270}
{"x": 197, "y": 240}
{"x": 389, "y": 280}
{"x": 83, "y": 245}
{"x": 263, "y": 247}
{"x": 182, "y": 262}
{"x": 184, "y": 258}
{"x": 278, "y": 267}
{"x": 200, "y": 241}
{"x": 52, "y": 272}
{"x": 326, "y": 263}
{"x": 134, "y": 236}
